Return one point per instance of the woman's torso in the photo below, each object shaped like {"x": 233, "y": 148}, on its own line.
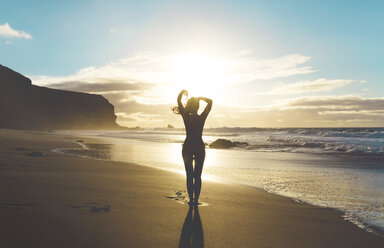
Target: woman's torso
{"x": 194, "y": 125}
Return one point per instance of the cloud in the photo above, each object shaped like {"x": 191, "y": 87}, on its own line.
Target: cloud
{"x": 6, "y": 31}
{"x": 156, "y": 68}
{"x": 321, "y": 84}
{"x": 337, "y": 103}
{"x": 105, "y": 86}
{"x": 281, "y": 67}
{"x": 320, "y": 111}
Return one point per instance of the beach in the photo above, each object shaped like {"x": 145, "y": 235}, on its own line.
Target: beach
{"x": 57, "y": 200}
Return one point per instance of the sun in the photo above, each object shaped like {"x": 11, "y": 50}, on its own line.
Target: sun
{"x": 201, "y": 74}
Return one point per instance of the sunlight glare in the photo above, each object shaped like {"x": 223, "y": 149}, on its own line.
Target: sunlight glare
{"x": 200, "y": 74}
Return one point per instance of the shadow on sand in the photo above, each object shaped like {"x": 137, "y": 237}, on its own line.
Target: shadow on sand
{"x": 192, "y": 233}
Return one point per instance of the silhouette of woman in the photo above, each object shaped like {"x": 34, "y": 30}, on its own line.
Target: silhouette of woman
{"x": 193, "y": 147}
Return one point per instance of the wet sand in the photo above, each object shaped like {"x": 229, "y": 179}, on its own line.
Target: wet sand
{"x": 56, "y": 200}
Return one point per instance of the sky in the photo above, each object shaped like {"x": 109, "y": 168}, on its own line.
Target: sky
{"x": 264, "y": 63}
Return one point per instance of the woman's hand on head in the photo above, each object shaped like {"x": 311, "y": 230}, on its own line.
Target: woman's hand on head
{"x": 184, "y": 92}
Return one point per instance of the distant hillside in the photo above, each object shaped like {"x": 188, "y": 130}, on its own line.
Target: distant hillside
{"x": 27, "y": 106}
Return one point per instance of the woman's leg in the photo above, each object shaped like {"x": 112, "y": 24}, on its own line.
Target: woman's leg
{"x": 188, "y": 159}
{"x": 199, "y": 162}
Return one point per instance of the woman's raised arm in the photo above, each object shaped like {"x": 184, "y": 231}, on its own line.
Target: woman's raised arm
{"x": 208, "y": 107}
{"x": 179, "y": 104}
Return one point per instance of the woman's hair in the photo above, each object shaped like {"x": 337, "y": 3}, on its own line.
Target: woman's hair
{"x": 191, "y": 107}
{"x": 176, "y": 110}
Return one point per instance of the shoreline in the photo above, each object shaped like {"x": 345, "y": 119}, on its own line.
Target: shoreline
{"x": 362, "y": 225}
{"x": 115, "y": 204}
{"x": 334, "y": 166}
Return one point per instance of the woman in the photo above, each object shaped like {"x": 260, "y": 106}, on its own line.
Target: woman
{"x": 193, "y": 148}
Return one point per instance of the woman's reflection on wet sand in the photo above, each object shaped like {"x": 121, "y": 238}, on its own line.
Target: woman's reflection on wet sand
{"x": 192, "y": 233}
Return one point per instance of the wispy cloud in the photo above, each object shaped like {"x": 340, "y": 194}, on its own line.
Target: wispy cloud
{"x": 280, "y": 67}
{"x": 6, "y": 31}
{"x": 321, "y": 84}
{"x": 106, "y": 86}
{"x": 336, "y": 103}
{"x": 155, "y": 68}
{"x": 321, "y": 111}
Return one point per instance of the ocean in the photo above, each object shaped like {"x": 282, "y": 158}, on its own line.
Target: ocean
{"x": 340, "y": 168}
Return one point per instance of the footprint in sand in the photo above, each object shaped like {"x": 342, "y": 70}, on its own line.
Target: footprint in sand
{"x": 93, "y": 207}
{"x": 36, "y": 154}
{"x": 20, "y": 149}
{"x": 16, "y": 206}
{"x": 182, "y": 198}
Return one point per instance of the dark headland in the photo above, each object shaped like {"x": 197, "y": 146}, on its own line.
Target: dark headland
{"x": 27, "y": 106}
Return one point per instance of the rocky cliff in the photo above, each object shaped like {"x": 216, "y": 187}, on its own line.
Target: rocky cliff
{"x": 27, "y": 106}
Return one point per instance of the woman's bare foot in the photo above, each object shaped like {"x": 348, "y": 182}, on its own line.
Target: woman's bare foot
{"x": 193, "y": 202}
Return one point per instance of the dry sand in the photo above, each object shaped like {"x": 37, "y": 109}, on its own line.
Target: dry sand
{"x": 67, "y": 201}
